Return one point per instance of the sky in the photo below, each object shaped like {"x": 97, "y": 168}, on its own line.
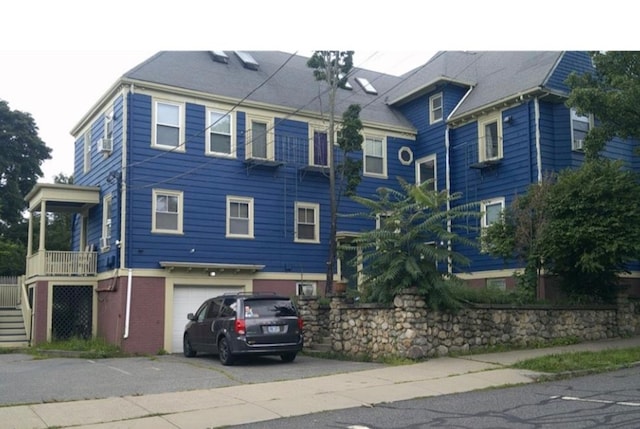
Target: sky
{"x": 58, "y": 58}
{"x": 57, "y": 87}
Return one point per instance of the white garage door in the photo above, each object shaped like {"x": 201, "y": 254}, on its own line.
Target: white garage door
{"x": 187, "y": 299}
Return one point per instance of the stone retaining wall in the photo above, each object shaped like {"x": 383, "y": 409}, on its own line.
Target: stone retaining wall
{"x": 407, "y": 328}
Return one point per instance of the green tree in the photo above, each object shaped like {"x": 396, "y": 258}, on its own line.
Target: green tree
{"x": 612, "y": 95}
{"x": 412, "y": 246}
{"x": 21, "y": 156}
{"x": 22, "y": 153}
{"x": 333, "y": 67}
{"x": 520, "y": 233}
{"x": 59, "y": 225}
{"x": 593, "y": 229}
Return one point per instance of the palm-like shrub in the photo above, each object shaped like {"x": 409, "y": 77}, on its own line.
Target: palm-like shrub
{"x": 412, "y": 245}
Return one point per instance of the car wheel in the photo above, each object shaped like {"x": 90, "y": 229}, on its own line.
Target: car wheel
{"x": 288, "y": 357}
{"x": 224, "y": 352}
{"x": 186, "y": 347}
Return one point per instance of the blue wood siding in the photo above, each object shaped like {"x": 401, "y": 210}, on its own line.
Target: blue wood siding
{"x": 104, "y": 172}
{"x": 571, "y": 61}
{"x": 206, "y": 182}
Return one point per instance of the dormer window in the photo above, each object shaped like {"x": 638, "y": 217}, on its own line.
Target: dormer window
{"x": 435, "y": 108}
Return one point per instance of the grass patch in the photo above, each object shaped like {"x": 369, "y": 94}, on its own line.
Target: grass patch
{"x": 95, "y": 348}
{"x": 582, "y": 361}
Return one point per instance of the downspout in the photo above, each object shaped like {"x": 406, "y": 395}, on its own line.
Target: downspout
{"x": 447, "y": 174}
{"x": 538, "y": 144}
{"x": 128, "y": 309}
{"x": 123, "y": 207}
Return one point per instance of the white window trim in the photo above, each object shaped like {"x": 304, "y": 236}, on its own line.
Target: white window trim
{"x": 575, "y": 117}
{"x": 233, "y": 147}
{"x": 384, "y": 156}
{"x": 312, "y": 131}
{"x": 171, "y": 193}
{"x": 316, "y": 220}
{"x": 154, "y": 126}
{"x": 106, "y": 223}
{"x": 87, "y": 152}
{"x": 270, "y": 136}
{"x": 426, "y": 159}
{"x": 490, "y": 202}
{"x": 432, "y": 119}
{"x": 496, "y": 117}
{"x": 242, "y": 200}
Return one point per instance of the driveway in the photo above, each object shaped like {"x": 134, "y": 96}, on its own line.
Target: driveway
{"x": 25, "y": 380}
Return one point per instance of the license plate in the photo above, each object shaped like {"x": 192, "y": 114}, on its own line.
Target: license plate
{"x": 273, "y": 329}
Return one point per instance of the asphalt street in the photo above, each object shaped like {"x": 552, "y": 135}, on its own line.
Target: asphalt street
{"x": 603, "y": 401}
{"x": 25, "y": 380}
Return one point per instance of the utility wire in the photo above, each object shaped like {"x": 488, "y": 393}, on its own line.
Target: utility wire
{"x": 319, "y": 96}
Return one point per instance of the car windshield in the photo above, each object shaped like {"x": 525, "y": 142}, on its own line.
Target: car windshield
{"x": 269, "y": 308}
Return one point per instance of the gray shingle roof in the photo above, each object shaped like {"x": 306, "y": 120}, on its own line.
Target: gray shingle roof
{"x": 284, "y": 79}
{"x": 495, "y": 75}
{"x": 292, "y": 87}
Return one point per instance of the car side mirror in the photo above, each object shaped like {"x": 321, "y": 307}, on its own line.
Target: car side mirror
{"x": 190, "y": 316}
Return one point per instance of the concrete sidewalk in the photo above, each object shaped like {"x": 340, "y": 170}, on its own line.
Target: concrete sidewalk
{"x": 242, "y": 404}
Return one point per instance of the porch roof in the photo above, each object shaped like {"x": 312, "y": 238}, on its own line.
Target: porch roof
{"x": 63, "y": 197}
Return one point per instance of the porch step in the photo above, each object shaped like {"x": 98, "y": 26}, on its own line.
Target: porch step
{"x": 12, "y": 331}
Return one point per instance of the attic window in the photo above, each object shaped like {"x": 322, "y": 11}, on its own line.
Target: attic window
{"x": 219, "y": 57}
{"x": 366, "y": 85}
{"x": 247, "y": 60}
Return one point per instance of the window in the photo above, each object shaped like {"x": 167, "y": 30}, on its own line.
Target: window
{"x": 435, "y": 108}
{"x": 319, "y": 149}
{"x": 492, "y": 210}
{"x": 108, "y": 126}
{"x": 220, "y": 139}
{"x": 306, "y": 289}
{"x": 307, "y": 223}
{"x": 167, "y": 211}
{"x": 490, "y": 138}
{"x": 426, "y": 170}
{"x": 168, "y": 125}
{"x": 106, "y": 223}
{"x": 375, "y": 159}
{"x": 87, "y": 152}
{"x": 259, "y": 139}
{"x": 239, "y": 217}
{"x": 580, "y": 126}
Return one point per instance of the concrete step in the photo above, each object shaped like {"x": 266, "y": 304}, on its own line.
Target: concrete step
{"x": 12, "y": 337}
{"x": 14, "y": 344}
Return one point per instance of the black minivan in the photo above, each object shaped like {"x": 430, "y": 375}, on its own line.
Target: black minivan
{"x": 243, "y": 324}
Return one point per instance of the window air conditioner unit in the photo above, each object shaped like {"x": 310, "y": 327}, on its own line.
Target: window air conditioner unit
{"x": 578, "y": 144}
{"x": 105, "y": 145}
{"x": 104, "y": 242}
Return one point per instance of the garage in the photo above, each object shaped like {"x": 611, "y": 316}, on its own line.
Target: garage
{"x": 187, "y": 299}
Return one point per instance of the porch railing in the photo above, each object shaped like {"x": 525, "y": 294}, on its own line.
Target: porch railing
{"x": 60, "y": 263}
{"x": 9, "y": 291}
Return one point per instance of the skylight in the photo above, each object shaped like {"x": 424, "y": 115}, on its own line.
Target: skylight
{"x": 219, "y": 57}
{"x": 366, "y": 85}
{"x": 347, "y": 85}
{"x": 247, "y": 60}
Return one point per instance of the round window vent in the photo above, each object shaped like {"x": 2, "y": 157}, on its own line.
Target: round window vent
{"x": 405, "y": 155}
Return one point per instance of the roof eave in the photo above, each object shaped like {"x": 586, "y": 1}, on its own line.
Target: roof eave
{"x": 429, "y": 86}
{"x": 501, "y": 104}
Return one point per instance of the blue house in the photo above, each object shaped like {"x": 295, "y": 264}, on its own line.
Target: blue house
{"x": 199, "y": 173}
